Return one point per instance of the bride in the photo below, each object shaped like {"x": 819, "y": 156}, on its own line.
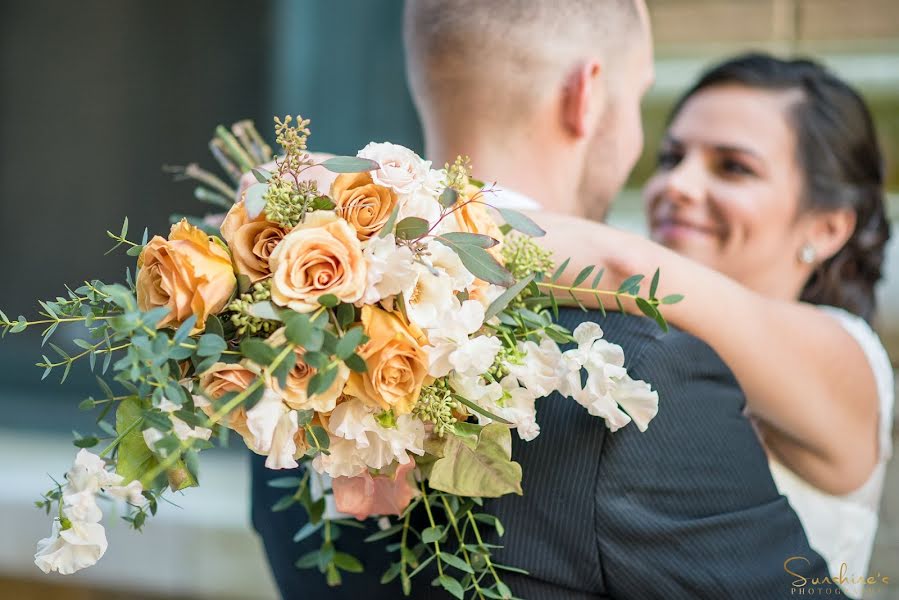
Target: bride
{"x": 768, "y": 199}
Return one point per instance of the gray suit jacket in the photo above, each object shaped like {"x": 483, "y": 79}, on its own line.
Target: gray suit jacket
{"x": 685, "y": 510}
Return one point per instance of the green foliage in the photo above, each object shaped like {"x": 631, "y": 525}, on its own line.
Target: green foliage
{"x": 350, "y": 164}
{"x": 486, "y": 471}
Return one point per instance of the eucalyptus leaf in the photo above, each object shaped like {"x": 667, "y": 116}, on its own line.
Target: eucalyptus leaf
{"x": 411, "y": 228}
{"x": 474, "y": 239}
{"x": 254, "y": 200}
{"x": 347, "y": 345}
{"x": 448, "y": 197}
{"x": 261, "y": 175}
{"x": 503, "y": 300}
{"x": 264, "y": 310}
{"x": 258, "y": 351}
{"x": 481, "y": 263}
{"x": 521, "y": 222}
{"x": 350, "y": 164}
{"x": 391, "y": 220}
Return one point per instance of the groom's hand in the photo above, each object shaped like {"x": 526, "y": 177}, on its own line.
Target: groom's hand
{"x": 320, "y": 175}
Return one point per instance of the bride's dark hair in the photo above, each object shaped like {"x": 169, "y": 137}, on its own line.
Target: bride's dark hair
{"x": 842, "y": 167}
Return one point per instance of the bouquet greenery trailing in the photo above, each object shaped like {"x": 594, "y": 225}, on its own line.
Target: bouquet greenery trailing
{"x": 370, "y": 322}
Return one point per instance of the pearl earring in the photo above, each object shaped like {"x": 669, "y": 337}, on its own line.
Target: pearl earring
{"x": 807, "y": 254}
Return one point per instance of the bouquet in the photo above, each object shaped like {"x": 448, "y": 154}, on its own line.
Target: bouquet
{"x": 384, "y": 338}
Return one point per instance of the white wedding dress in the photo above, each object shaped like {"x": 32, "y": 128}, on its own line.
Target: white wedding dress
{"x": 842, "y": 528}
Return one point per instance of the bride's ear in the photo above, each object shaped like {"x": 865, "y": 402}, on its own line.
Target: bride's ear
{"x": 829, "y": 231}
{"x": 583, "y": 99}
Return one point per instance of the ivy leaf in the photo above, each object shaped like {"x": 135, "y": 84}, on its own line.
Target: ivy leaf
{"x": 350, "y": 164}
{"x": 411, "y": 228}
{"x": 481, "y": 264}
{"x": 485, "y": 472}
{"x": 521, "y": 222}
{"x": 254, "y": 200}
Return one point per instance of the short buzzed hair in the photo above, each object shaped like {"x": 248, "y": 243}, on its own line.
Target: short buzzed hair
{"x": 495, "y": 59}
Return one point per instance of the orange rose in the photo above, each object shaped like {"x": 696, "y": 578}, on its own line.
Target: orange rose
{"x": 294, "y": 392}
{"x": 396, "y": 360}
{"x": 365, "y": 205}
{"x": 320, "y": 256}
{"x": 220, "y": 379}
{"x": 190, "y": 273}
{"x": 473, "y": 217}
{"x": 251, "y": 241}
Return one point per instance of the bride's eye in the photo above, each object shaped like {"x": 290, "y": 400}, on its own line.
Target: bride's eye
{"x": 735, "y": 167}
{"x": 668, "y": 158}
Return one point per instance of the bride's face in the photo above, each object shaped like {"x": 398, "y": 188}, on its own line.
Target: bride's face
{"x": 727, "y": 188}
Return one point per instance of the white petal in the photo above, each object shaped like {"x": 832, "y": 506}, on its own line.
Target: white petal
{"x": 283, "y": 448}
{"x": 262, "y": 420}
{"x": 76, "y": 548}
{"x": 638, "y": 399}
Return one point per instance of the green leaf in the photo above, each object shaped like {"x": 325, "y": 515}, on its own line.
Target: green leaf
{"x": 391, "y": 573}
{"x": 347, "y": 562}
{"x": 283, "y": 369}
{"x": 455, "y": 561}
{"x": 356, "y": 363}
{"x": 350, "y": 164}
{"x": 134, "y": 457}
{"x": 672, "y": 299}
{"x": 486, "y": 472}
{"x": 598, "y": 278}
{"x": 473, "y": 239}
{"x": 411, "y": 228}
{"x": 264, "y": 310}
{"x": 503, "y": 300}
{"x": 582, "y": 276}
{"x": 210, "y": 344}
{"x": 349, "y": 342}
{"x": 521, "y": 222}
{"x": 481, "y": 263}
{"x": 346, "y": 314}
{"x": 328, "y": 300}
{"x": 380, "y": 535}
{"x": 452, "y": 586}
{"x": 261, "y": 175}
{"x": 631, "y": 285}
{"x": 308, "y": 560}
{"x": 318, "y": 437}
{"x": 284, "y": 503}
{"x": 254, "y": 200}
{"x": 134, "y": 250}
{"x": 323, "y": 203}
{"x": 321, "y": 381}
{"x": 653, "y": 286}
{"x": 646, "y": 308}
{"x": 258, "y": 351}
{"x": 448, "y": 197}
{"x": 560, "y": 270}
{"x": 299, "y": 329}
{"x": 307, "y": 530}
{"x": 481, "y": 410}
{"x": 86, "y": 442}
{"x": 184, "y": 330}
{"x": 388, "y": 226}
{"x": 432, "y": 534}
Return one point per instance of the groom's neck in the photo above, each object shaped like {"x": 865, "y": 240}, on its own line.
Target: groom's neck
{"x": 549, "y": 176}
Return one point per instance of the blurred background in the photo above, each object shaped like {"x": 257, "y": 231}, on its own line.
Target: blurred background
{"x": 95, "y": 97}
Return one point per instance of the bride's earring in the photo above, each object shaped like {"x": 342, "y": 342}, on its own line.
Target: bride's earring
{"x": 807, "y": 254}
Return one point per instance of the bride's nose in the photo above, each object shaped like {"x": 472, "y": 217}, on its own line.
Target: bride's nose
{"x": 686, "y": 181}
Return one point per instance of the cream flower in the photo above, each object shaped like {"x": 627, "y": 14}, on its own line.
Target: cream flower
{"x": 539, "y": 371}
{"x": 182, "y": 430}
{"x": 70, "y": 550}
{"x": 443, "y": 258}
{"x": 428, "y": 297}
{"x": 376, "y": 446}
{"x": 401, "y": 169}
{"x": 320, "y": 256}
{"x": 390, "y": 269}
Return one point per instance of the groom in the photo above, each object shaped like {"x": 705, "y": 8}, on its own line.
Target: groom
{"x": 544, "y": 97}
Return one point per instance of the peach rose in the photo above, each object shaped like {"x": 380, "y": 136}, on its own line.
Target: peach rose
{"x": 190, "y": 273}
{"x": 474, "y": 217}
{"x": 320, "y": 256}
{"x": 396, "y": 360}
{"x": 294, "y": 392}
{"x": 251, "y": 241}
{"x": 220, "y": 379}
{"x": 364, "y": 496}
{"x": 365, "y": 205}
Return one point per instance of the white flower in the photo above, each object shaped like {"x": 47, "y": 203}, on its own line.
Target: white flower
{"x": 89, "y": 473}
{"x": 182, "y": 430}
{"x": 375, "y": 446}
{"x": 342, "y": 460}
{"x": 608, "y": 389}
{"x": 485, "y": 395}
{"x": 445, "y": 259}
{"x": 421, "y": 204}
{"x": 131, "y": 493}
{"x": 390, "y": 268}
{"x": 401, "y": 168}
{"x": 73, "y": 549}
{"x": 519, "y": 408}
{"x": 283, "y": 447}
{"x": 450, "y": 335}
{"x": 428, "y": 298}
{"x": 490, "y": 293}
{"x": 263, "y": 419}
{"x": 540, "y": 369}
{"x": 81, "y": 506}
{"x": 476, "y": 355}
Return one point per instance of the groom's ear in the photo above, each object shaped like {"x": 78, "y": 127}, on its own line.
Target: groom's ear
{"x": 583, "y": 99}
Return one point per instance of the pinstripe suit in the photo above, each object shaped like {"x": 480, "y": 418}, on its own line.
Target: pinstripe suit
{"x": 687, "y": 509}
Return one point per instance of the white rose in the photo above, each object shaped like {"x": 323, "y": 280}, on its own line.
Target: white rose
{"x": 401, "y": 169}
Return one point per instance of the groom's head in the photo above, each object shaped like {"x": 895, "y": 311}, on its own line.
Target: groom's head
{"x": 563, "y": 79}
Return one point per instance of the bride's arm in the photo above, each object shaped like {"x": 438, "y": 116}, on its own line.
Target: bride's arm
{"x": 805, "y": 377}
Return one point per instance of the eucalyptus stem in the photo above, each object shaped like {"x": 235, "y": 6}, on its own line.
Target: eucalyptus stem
{"x": 477, "y": 535}
{"x": 568, "y": 288}
{"x": 424, "y": 493}
{"x": 461, "y": 538}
